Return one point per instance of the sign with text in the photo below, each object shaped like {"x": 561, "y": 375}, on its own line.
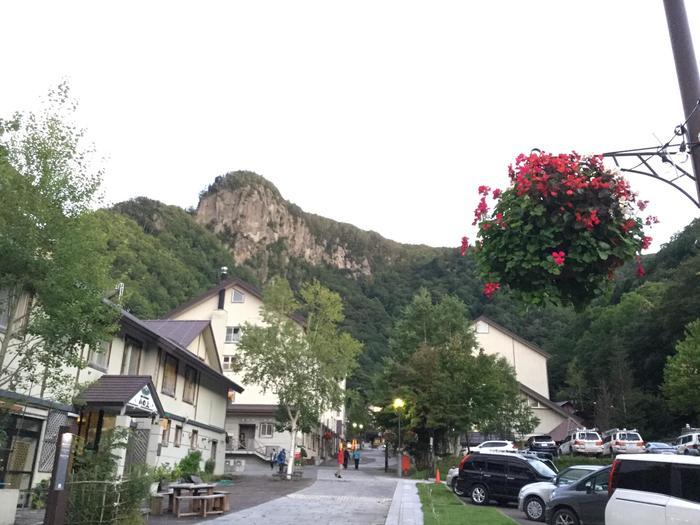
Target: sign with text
{"x": 143, "y": 400}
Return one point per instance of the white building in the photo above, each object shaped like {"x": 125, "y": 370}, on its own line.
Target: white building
{"x": 251, "y": 416}
{"x": 530, "y": 365}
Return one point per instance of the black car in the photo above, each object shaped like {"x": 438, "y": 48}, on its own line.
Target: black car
{"x": 580, "y": 502}
{"x": 542, "y": 443}
{"x": 483, "y": 477}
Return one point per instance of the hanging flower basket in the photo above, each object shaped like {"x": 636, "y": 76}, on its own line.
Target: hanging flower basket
{"x": 559, "y": 231}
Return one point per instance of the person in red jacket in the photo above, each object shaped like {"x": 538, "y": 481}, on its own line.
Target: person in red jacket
{"x": 341, "y": 459}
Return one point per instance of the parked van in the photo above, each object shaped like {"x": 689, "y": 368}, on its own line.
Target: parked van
{"x": 654, "y": 489}
{"x": 582, "y": 441}
{"x": 616, "y": 441}
{"x": 688, "y": 442}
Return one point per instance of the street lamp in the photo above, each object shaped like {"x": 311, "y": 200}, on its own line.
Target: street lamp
{"x": 398, "y": 405}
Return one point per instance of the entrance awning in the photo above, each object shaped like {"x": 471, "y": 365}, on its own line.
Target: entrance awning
{"x": 126, "y": 395}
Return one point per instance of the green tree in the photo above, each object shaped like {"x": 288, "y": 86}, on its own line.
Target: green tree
{"x": 449, "y": 384}
{"x": 53, "y": 268}
{"x": 305, "y": 368}
{"x": 682, "y": 374}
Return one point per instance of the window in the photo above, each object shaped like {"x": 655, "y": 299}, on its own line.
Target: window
{"x": 645, "y": 476}
{"x": 266, "y": 429}
{"x": 482, "y": 327}
{"x": 599, "y": 482}
{"x": 690, "y": 482}
{"x": 231, "y": 363}
{"x": 100, "y": 359}
{"x": 520, "y": 471}
{"x": 165, "y": 438}
{"x": 477, "y": 464}
{"x": 178, "y": 436}
{"x": 169, "y": 376}
{"x": 496, "y": 467}
{"x": 22, "y": 308}
{"x": 233, "y": 334}
{"x": 194, "y": 439}
{"x": 189, "y": 394}
{"x": 132, "y": 357}
{"x": 533, "y": 403}
{"x": 237, "y": 297}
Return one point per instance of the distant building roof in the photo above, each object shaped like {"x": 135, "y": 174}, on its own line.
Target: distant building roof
{"x": 214, "y": 290}
{"x": 181, "y": 332}
{"x": 549, "y": 404}
{"x": 251, "y": 409}
{"x": 531, "y": 346}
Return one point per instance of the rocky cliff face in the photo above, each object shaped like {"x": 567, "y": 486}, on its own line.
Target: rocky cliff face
{"x": 251, "y": 216}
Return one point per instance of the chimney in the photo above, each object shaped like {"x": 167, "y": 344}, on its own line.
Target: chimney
{"x": 222, "y": 292}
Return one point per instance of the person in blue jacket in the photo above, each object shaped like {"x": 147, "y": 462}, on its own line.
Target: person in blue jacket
{"x": 281, "y": 459}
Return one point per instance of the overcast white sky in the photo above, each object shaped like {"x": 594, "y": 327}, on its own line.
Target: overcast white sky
{"x": 386, "y": 115}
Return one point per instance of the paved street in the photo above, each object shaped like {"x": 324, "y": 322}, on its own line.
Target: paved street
{"x": 361, "y": 497}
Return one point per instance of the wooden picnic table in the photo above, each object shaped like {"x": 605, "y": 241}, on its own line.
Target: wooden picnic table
{"x": 195, "y": 490}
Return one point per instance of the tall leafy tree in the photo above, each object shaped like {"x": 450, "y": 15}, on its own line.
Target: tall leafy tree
{"x": 450, "y": 385}
{"x": 53, "y": 268}
{"x": 305, "y": 368}
{"x": 682, "y": 374}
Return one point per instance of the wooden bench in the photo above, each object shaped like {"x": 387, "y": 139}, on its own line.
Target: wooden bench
{"x": 218, "y": 501}
{"x": 159, "y": 505}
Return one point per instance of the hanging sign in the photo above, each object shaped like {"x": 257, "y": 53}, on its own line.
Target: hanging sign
{"x": 143, "y": 400}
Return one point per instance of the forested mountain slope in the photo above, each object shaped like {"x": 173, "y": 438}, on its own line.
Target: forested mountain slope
{"x": 612, "y": 354}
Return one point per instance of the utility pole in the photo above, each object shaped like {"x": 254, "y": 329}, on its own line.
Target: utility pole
{"x": 687, "y": 72}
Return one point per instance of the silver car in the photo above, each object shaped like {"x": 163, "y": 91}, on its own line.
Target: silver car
{"x": 450, "y": 480}
{"x": 533, "y": 498}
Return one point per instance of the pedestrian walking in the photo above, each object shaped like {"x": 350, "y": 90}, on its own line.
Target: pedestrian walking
{"x": 356, "y": 458}
{"x": 341, "y": 459}
{"x": 273, "y": 458}
{"x": 281, "y": 459}
{"x": 346, "y": 458}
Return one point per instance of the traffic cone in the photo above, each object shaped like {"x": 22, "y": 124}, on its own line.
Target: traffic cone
{"x": 437, "y": 476}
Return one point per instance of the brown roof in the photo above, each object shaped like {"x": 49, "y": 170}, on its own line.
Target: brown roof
{"x": 116, "y": 391}
{"x": 549, "y": 404}
{"x": 531, "y": 346}
{"x": 251, "y": 409}
{"x": 214, "y": 290}
{"x": 181, "y": 332}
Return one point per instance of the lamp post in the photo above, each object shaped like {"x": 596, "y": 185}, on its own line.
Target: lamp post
{"x": 398, "y": 405}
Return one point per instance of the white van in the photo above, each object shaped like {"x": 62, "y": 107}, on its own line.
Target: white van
{"x": 654, "y": 489}
{"x": 688, "y": 442}
{"x": 616, "y": 441}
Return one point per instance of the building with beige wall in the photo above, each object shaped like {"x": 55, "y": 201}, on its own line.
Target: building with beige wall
{"x": 251, "y": 417}
{"x": 530, "y": 365}
{"x": 175, "y": 365}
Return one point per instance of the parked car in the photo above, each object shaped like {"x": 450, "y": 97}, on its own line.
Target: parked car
{"x": 507, "y": 446}
{"x": 654, "y": 447}
{"x": 582, "y": 441}
{"x": 580, "y": 502}
{"x": 654, "y": 490}
{"x": 533, "y": 498}
{"x": 544, "y": 457}
{"x": 616, "y": 441}
{"x": 688, "y": 442}
{"x": 542, "y": 443}
{"x": 499, "y": 476}
{"x": 451, "y": 480}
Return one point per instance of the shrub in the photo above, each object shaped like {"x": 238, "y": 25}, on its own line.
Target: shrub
{"x": 189, "y": 465}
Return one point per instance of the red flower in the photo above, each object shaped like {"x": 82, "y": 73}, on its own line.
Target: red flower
{"x": 481, "y": 210}
{"x": 484, "y": 190}
{"x": 496, "y": 193}
{"x": 642, "y": 205}
{"x": 465, "y": 245}
{"x": 646, "y": 242}
{"x": 490, "y": 289}
{"x": 640, "y": 269}
{"x": 651, "y": 220}
{"x": 559, "y": 258}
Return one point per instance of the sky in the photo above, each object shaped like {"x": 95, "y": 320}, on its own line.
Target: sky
{"x": 383, "y": 114}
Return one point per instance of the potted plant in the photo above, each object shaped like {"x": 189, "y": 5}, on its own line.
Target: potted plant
{"x": 559, "y": 231}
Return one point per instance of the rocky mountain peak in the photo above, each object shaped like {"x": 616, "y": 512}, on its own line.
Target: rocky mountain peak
{"x": 250, "y": 215}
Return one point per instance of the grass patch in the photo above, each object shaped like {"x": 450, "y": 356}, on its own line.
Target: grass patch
{"x": 566, "y": 461}
{"x": 442, "y": 507}
{"x": 443, "y": 463}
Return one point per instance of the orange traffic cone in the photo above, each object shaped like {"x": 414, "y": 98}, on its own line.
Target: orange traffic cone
{"x": 437, "y": 476}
